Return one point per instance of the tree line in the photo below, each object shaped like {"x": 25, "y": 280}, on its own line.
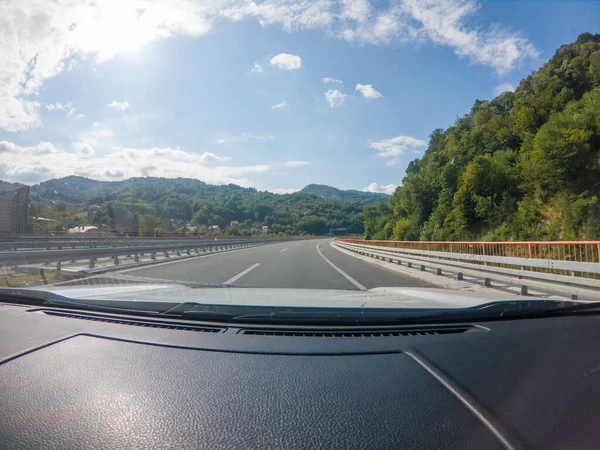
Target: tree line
{"x": 523, "y": 166}
{"x": 160, "y": 205}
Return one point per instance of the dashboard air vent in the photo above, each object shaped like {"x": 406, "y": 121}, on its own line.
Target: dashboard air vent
{"x": 135, "y": 322}
{"x": 429, "y": 331}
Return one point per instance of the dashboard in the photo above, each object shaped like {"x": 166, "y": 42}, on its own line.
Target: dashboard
{"x": 76, "y": 379}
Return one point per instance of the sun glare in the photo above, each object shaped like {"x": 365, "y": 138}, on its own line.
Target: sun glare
{"x": 114, "y": 27}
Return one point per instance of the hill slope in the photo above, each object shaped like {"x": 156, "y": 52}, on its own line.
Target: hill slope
{"x": 331, "y": 193}
{"x": 161, "y": 204}
{"x": 524, "y": 165}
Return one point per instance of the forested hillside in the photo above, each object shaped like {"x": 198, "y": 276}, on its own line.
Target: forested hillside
{"x": 169, "y": 205}
{"x": 522, "y": 166}
{"x": 331, "y": 193}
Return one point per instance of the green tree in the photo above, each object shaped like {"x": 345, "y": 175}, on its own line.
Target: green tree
{"x": 149, "y": 223}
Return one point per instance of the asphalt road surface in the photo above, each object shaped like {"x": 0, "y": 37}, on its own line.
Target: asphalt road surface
{"x": 309, "y": 264}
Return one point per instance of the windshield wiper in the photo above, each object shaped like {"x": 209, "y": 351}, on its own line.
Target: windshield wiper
{"x": 498, "y": 310}
{"x": 99, "y": 308}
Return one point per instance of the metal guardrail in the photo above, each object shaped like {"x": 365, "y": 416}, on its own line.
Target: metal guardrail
{"x": 16, "y": 259}
{"x": 94, "y": 243}
{"x": 573, "y": 251}
{"x": 512, "y": 270}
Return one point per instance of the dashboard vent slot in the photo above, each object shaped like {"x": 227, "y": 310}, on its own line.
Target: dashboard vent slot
{"x": 430, "y": 331}
{"x": 136, "y": 323}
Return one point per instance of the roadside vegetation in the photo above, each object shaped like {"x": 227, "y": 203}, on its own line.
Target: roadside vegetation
{"x": 523, "y": 166}
{"x": 184, "y": 206}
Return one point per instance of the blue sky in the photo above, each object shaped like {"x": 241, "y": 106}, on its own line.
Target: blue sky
{"x": 235, "y": 91}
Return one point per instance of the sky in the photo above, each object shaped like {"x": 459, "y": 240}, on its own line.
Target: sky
{"x": 273, "y": 94}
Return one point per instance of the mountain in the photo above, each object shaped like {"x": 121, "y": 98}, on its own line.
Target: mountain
{"x": 523, "y": 166}
{"x": 331, "y": 193}
{"x": 167, "y": 205}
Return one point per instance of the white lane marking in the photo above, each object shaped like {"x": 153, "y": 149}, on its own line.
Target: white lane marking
{"x": 183, "y": 260}
{"x": 283, "y": 249}
{"x": 241, "y": 274}
{"x": 344, "y": 274}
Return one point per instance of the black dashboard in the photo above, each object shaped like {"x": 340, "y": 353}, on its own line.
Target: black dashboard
{"x": 74, "y": 379}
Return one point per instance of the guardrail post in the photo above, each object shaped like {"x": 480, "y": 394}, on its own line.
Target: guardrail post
{"x": 116, "y": 260}
{"x": 92, "y": 263}
{"x": 438, "y": 271}
{"x": 58, "y": 267}
{"x": 459, "y": 276}
{"x": 166, "y": 254}
{"x": 188, "y": 251}
{"x": 153, "y": 255}
{"x": 136, "y": 258}
{"x": 487, "y": 282}
{"x": 574, "y": 297}
{"x": 422, "y": 268}
{"x": 178, "y": 253}
{"x": 409, "y": 265}
{"x": 523, "y": 290}
{"x": 399, "y": 262}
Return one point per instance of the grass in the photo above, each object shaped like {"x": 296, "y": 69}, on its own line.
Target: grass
{"x": 37, "y": 279}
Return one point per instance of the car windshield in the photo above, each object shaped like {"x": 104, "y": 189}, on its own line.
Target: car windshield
{"x": 408, "y": 155}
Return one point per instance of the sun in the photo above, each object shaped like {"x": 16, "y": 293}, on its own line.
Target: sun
{"x": 112, "y": 27}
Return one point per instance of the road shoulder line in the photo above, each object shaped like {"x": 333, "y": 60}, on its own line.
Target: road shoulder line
{"x": 344, "y": 274}
{"x": 411, "y": 273}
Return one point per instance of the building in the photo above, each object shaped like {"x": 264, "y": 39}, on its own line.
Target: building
{"x": 234, "y": 223}
{"x": 214, "y": 229}
{"x": 6, "y": 202}
{"x": 86, "y": 229}
{"x": 265, "y": 229}
{"x": 41, "y": 223}
{"x": 13, "y": 211}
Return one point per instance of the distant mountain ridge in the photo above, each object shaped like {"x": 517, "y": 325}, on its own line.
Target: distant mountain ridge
{"x": 77, "y": 189}
{"x": 350, "y": 195}
{"x": 159, "y": 205}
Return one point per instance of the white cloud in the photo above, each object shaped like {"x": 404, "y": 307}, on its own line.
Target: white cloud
{"x": 67, "y": 107}
{"x": 382, "y": 189}
{"x": 119, "y": 106}
{"x": 449, "y": 23}
{"x": 334, "y": 97}
{"x": 32, "y": 164}
{"x": 42, "y": 39}
{"x": 116, "y": 173}
{"x": 356, "y": 10}
{"x": 257, "y": 137}
{"x": 367, "y": 91}
{"x": 55, "y": 107}
{"x": 256, "y": 68}
{"x": 208, "y": 156}
{"x": 283, "y": 190}
{"x": 504, "y": 87}
{"x": 395, "y": 147}
{"x": 221, "y": 141}
{"x": 280, "y": 105}
{"x": 286, "y": 61}
{"x": 296, "y": 163}
{"x": 329, "y": 80}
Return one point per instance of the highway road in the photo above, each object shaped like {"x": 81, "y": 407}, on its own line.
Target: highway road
{"x": 311, "y": 264}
